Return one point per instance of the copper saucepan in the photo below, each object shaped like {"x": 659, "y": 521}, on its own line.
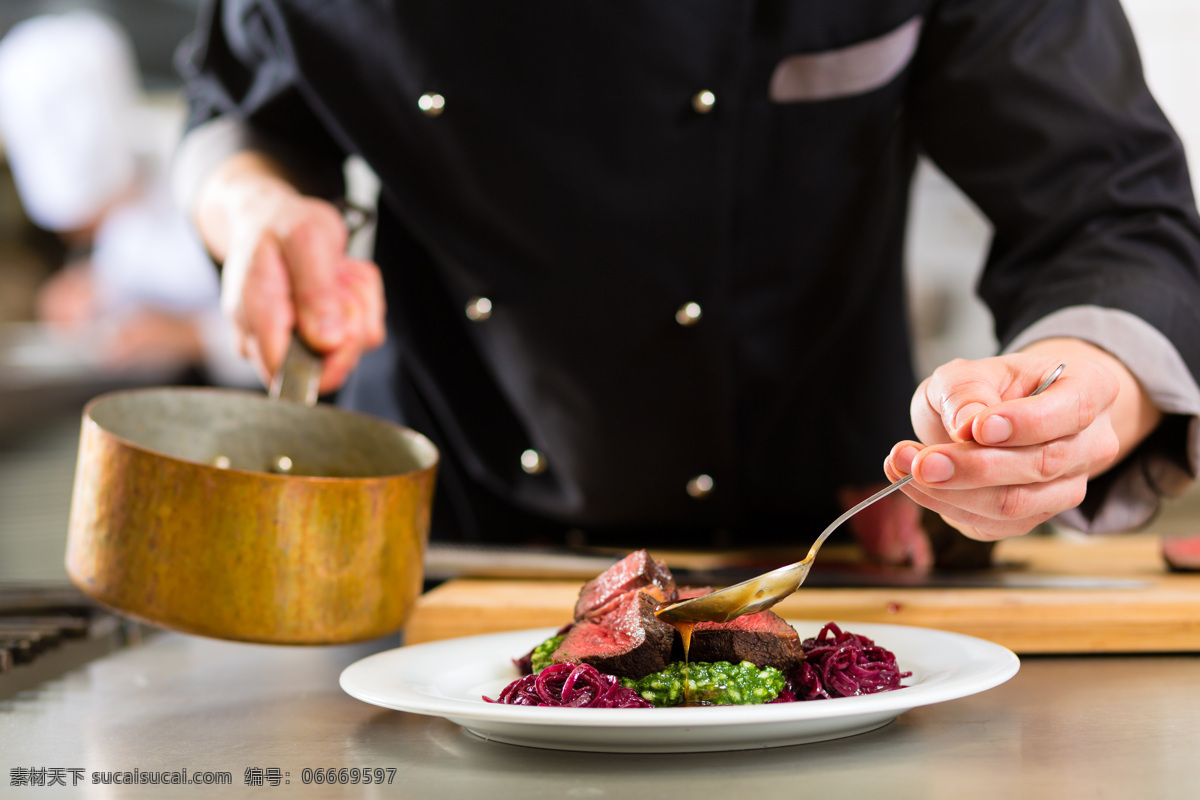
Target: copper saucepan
{"x": 227, "y": 514}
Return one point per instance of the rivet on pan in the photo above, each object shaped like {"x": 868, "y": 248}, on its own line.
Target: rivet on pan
{"x": 222, "y": 462}
{"x": 283, "y": 464}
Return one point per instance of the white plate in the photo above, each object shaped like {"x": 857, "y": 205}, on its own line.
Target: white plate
{"x": 448, "y": 679}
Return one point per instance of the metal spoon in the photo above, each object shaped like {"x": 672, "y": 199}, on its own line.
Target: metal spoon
{"x": 759, "y": 594}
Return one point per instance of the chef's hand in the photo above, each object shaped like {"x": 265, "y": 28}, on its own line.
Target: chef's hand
{"x": 285, "y": 267}
{"x": 995, "y": 462}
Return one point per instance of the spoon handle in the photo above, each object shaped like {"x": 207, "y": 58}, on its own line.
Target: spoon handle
{"x": 833, "y": 526}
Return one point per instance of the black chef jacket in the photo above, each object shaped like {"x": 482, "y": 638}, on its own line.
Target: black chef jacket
{"x": 643, "y": 259}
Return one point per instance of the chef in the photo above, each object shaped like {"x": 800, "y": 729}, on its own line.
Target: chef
{"x": 642, "y": 261}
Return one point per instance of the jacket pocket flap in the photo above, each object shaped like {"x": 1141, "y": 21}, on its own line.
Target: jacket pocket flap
{"x": 847, "y": 71}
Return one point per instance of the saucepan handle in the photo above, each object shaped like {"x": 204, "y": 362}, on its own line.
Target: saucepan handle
{"x": 297, "y": 380}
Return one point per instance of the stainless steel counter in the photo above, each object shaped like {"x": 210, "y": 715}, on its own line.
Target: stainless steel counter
{"x": 1096, "y": 727}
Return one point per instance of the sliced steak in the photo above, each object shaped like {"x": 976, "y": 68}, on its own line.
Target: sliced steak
{"x": 627, "y": 640}
{"x": 636, "y": 572}
{"x": 764, "y": 639}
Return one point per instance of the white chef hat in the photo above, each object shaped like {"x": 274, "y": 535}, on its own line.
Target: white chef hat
{"x": 67, "y": 90}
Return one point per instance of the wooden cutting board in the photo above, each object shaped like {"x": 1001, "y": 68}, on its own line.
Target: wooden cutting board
{"x": 1154, "y": 611}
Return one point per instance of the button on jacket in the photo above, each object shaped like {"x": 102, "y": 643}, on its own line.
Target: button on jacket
{"x": 643, "y": 260}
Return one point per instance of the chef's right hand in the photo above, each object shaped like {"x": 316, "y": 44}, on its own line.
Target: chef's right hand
{"x": 285, "y": 267}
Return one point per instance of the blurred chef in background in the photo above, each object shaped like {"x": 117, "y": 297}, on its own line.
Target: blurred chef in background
{"x": 137, "y": 287}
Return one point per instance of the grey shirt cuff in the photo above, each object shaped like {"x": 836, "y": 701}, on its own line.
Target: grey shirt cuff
{"x": 202, "y": 149}
{"x": 1135, "y": 494}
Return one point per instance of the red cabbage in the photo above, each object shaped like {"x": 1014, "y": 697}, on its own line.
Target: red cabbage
{"x": 843, "y": 664}
{"x": 571, "y": 686}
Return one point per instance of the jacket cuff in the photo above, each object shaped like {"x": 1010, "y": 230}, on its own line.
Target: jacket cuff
{"x": 1133, "y": 494}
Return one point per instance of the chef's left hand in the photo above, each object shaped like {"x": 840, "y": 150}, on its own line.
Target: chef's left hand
{"x": 995, "y": 462}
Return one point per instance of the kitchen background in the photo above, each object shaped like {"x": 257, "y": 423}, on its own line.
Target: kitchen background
{"x": 46, "y": 374}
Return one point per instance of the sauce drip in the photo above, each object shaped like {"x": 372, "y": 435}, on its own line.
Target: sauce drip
{"x": 685, "y": 635}
{"x": 685, "y": 627}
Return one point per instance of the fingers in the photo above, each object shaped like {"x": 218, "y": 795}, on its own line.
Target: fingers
{"x": 363, "y": 281}
{"x": 989, "y": 401}
{"x": 948, "y": 400}
{"x": 990, "y": 513}
{"x": 1071, "y": 405}
{"x": 360, "y": 297}
{"x": 1003, "y": 511}
{"x": 256, "y": 294}
{"x": 314, "y": 249}
{"x": 968, "y": 465}
{"x": 990, "y": 492}
{"x": 1063, "y": 431}
{"x": 294, "y": 274}
{"x": 988, "y": 528}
